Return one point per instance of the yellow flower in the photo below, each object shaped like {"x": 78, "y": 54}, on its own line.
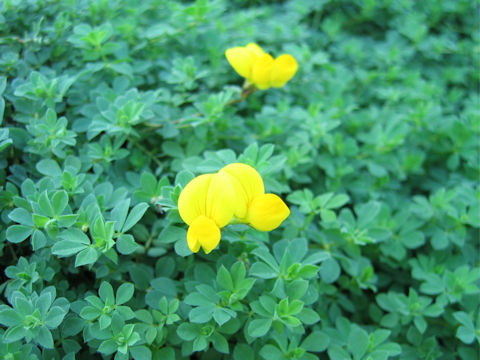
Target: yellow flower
{"x": 211, "y": 201}
{"x": 263, "y": 212}
{"x": 206, "y": 204}
{"x": 260, "y": 68}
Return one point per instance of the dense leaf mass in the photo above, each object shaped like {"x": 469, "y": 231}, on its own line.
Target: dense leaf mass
{"x": 110, "y": 107}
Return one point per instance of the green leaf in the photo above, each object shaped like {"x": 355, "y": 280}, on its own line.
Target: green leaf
{"x": 379, "y": 336}
{"x": 238, "y": 272}
{"x": 5, "y": 141}
{"x": 106, "y": 293}
{"x": 335, "y": 352}
{"x": 464, "y": 319}
{"x": 243, "y": 352}
{"x": 48, "y": 167}
{"x": 317, "y": 341}
{"x": 148, "y": 182}
{"x": 184, "y": 177}
{"x": 125, "y": 312}
{"x": 72, "y": 326}
{"x": 45, "y": 300}
{"x": 54, "y": 317}
{"x": 262, "y": 271}
{"x": 75, "y": 235}
{"x": 166, "y": 353}
{"x": 308, "y": 271}
{"x": 389, "y": 348}
{"x": 59, "y": 201}
{"x": 18, "y": 233}
{"x": 466, "y": 332}
{"x": 297, "y": 288}
{"x": 40, "y": 220}
{"x": 268, "y": 303}
{"x": 224, "y": 279}
{"x": 220, "y": 343}
{"x": 44, "y": 338}
{"x": 71, "y": 247}
{"x": 67, "y": 220}
{"x": 134, "y": 216}
{"x": 291, "y": 321}
{"x": 126, "y": 244}
{"x": 200, "y": 343}
{"x": 46, "y": 205}
{"x": 222, "y": 315}
{"x": 316, "y": 257}
{"x": 199, "y": 299}
{"x": 412, "y": 239}
{"x": 141, "y": 352}
{"x": 270, "y": 352}
{"x": 172, "y": 234}
{"x": 308, "y": 316}
{"x": 201, "y": 314}
{"x": 295, "y": 307}
{"x": 337, "y": 201}
{"x": 21, "y": 216}
{"x": 173, "y": 306}
{"x": 182, "y": 249}
{"x": 165, "y": 286}
{"x": 358, "y": 341}
{"x": 439, "y": 240}
{"x": 86, "y": 256}
{"x": 107, "y": 347}
{"x": 119, "y": 213}
{"x": 3, "y": 84}
{"x": 15, "y": 333}
{"x": 10, "y": 317}
{"x": 330, "y": 270}
{"x": 263, "y": 254}
{"x": 22, "y": 305}
{"x": 259, "y": 327}
{"x": 187, "y": 331}
{"x": 367, "y": 213}
{"x": 124, "y": 293}
{"x": 328, "y": 216}
{"x": 420, "y": 323}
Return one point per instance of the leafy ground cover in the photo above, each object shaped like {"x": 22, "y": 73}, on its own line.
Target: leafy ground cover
{"x": 109, "y": 108}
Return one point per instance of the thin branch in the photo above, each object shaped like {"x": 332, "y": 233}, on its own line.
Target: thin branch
{"x": 12, "y": 251}
{"x": 247, "y": 90}
{"x": 149, "y": 153}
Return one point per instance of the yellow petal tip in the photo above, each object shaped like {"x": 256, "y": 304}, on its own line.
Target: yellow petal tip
{"x": 203, "y": 232}
{"x": 267, "y": 212}
{"x": 283, "y": 69}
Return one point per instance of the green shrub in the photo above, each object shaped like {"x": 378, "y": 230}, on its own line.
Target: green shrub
{"x": 109, "y": 108}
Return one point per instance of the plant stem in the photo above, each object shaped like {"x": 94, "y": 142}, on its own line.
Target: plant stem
{"x": 12, "y": 251}
{"x": 247, "y": 90}
{"x": 149, "y": 153}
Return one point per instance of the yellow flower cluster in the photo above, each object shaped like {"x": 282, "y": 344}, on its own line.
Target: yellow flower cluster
{"x": 234, "y": 194}
{"x": 260, "y": 68}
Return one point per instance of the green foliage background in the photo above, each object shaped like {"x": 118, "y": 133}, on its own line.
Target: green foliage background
{"x": 110, "y": 107}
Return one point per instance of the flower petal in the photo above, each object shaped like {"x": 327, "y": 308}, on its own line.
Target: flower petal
{"x": 247, "y": 183}
{"x": 257, "y": 50}
{"x": 220, "y": 200}
{"x": 241, "y": 199}
{"x": 191, "y": 202}
{"x": 267, "y": 212}
{"x": 283, "y": 69}
{"x": 260, "y": 75}
{"x": 203, "y": 232}
{"x": 241, "y": 59}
